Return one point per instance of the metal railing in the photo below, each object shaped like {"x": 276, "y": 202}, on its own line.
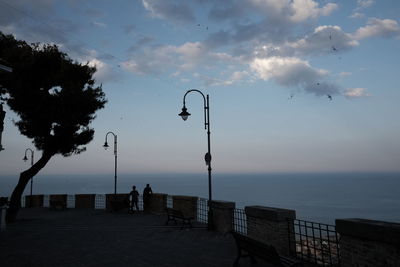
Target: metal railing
{"x": 202, "y": 210}
{"x": 170, "y": 201}
{"x": 239, "y": 221}
{"x": 317, "y": 243}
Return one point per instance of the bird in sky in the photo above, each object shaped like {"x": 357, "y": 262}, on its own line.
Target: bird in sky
{"x": 329, "y": 97}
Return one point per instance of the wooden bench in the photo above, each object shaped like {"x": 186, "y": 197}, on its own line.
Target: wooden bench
{"x": 248, "y": 247}
{"x": 173, "y": 215}
{"x": 58, "y": 205}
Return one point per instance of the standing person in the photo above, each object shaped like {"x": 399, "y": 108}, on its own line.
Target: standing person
{"x": 146, "y": 197}
{"x": 135, "y": 197}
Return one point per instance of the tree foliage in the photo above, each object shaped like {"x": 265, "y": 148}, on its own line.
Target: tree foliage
{"x": 55, "y": 97}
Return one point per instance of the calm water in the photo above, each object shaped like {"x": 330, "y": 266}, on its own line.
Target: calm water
{"x": 315, "y": 197}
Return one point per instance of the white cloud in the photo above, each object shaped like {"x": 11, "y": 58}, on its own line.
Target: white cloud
{"x": 357, "y": 15}
{"x": 356, "y": 93}
{"x": 344, "y": 74}
{"x": 99, "y": 24}
{"x": 174, "y": 10}
{"x": 306, "y": 9}
{"x": 323, "y": 40}
{"x": 365, "y": 3}
{"x": 293, "y": 72}
{"x": 378, "y": 27}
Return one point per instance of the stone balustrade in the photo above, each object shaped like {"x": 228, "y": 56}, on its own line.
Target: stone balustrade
{"x": 369, "y": 243}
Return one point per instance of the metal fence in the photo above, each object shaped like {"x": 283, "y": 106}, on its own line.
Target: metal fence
{"x": 202, "y": 210}
{"x": 170, "y": 201}
{"x": 240, "y": 221}
{"x": 314, "y": 242}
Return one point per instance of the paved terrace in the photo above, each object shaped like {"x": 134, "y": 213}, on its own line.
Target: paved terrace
{"x": 83, "y": 237}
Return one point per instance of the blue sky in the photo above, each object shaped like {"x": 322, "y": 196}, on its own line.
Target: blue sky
{"x": 269, "y": 66}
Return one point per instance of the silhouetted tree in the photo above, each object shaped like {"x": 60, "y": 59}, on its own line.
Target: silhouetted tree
{"x": 55, "y": 98}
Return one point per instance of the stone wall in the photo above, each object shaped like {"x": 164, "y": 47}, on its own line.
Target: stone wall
{"x": 158, "y": 203}
{"x": 186, "y": 204}
{"x": 85, "y": 201}
{"x": 222, "y": 216}
{"x": 34, "y": 201}
{"x": 369, "y": 243}
{"x": 270, "y": 226}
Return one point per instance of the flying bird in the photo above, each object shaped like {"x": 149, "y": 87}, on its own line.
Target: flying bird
{"x": 334, "y": 48}
{"x": 329, "y": 97}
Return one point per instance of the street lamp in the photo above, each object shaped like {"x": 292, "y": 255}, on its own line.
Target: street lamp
{"x": 25, "y": 159}
{"x": 185, "y": 115}
{"x": 115, "y": 155}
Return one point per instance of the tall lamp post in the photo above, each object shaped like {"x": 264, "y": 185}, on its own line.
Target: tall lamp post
{"x": 115, "y": 155}
{"x": 25, "y": 159}
{"x": 2, "y": 116}
{"x": 184, "y": 114}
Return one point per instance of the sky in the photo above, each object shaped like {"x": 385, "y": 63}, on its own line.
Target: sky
{"x": 295, "y": 86}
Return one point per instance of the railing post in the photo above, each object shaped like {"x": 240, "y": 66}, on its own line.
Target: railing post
{"x": 222, "y": 215}
{"x": 157, "y": 203}
{"x": 270, "y": 226}
{"x": 85, "y": 201}
{"x": 3, "y": 210}
{"x": 186, "y": 204}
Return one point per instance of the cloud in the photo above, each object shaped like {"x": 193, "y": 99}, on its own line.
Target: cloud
{"x": 235, "y": 77}
{"x": 357, "y": 15}
{"x": 293, "y": 72}
{"x": 306, "y": 9}
{"x": 323, "y": 40}
{"x": 104, "y": 72}
{"x": 99, "y": 24}
{"x": 174, "y": 10}
{"x": 378, "y": 28}
{"x": 364, "y": 3}
{"x": 356, "y": 93}
{"x": 158, "y": 59}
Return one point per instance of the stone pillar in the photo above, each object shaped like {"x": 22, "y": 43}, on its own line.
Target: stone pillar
{"x": 34, "y": 201}
{"x": 186, "y": 204}
{"x": 368, "y": 243}
{"x": 222, "y": 215}
{"x": 158, "y": 203}
{"x": 118, "y": 199}
{"x": 271, "y": 226}
{"x": 3, "y": 210}
{"x": 85, "y": 201}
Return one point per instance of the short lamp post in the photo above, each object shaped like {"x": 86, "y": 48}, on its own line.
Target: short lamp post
{"x": 32, "y": 159}
{"x": 185, "y": 115}
{"x": 115, "y": 156}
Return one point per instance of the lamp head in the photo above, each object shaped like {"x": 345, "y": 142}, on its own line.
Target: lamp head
{"x": 105, "y": 145}
{"x": 25, "y": 158}
{"x": 184, "y": 114}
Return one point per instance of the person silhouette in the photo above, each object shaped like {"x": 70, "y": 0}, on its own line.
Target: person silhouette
{"x": 147, "y": 192}
{"x": 134, "y": 194}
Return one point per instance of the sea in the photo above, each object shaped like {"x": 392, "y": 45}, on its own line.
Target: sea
{"x": 317, "y": 197}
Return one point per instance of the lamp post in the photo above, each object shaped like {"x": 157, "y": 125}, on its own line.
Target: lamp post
{"x": 184, "y": 114}
{"x": 2, "y": 116}
{"x": 115, "y": 155}
{"x": 25, "y": 159}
